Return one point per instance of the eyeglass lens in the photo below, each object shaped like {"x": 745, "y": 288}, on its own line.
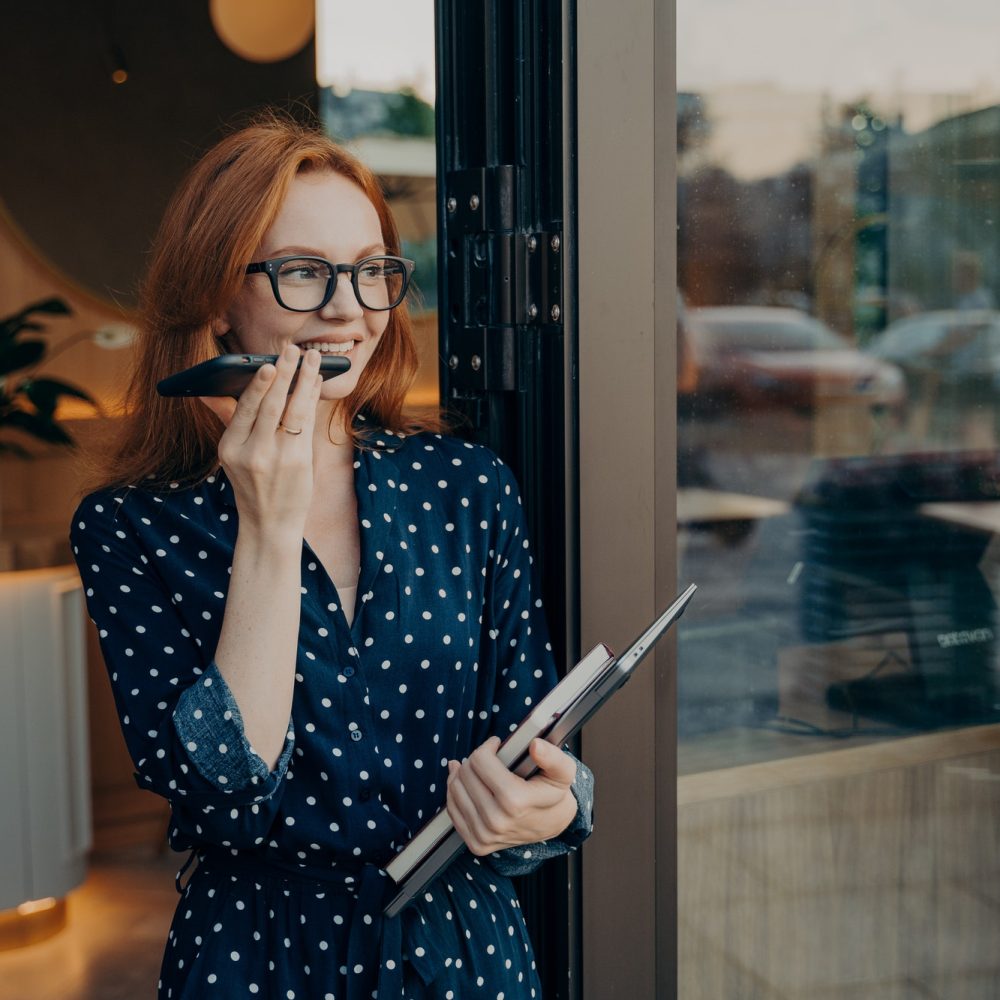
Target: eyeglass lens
{"x": 379, "y": 283}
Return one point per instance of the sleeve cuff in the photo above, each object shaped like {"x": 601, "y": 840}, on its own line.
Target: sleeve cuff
{"x": 209, "y": 726}
{"x": 525, "y": 858}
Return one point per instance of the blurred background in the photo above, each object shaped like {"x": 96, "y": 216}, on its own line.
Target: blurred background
{"x": 105, "y": 106}
{"x": 838, "y": 497}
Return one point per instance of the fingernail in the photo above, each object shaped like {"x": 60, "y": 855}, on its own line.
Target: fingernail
{"x": 291, "y": 352}
{"x": 267, "y": 372}
{"x": 312, "y": 356}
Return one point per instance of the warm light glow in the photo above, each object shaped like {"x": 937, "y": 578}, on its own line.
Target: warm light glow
{"x": 119, "y": 76}
{"x": 32, "y": 921}
{"x": 37, "y": 905}
{"x": 263, "y": 31}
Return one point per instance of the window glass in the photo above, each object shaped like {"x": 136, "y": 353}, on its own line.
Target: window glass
{"x": 376, "y": 79}
{"x": 838, "y": 496}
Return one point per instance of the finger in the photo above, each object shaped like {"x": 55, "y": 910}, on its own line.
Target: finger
{"x": 479, "y": 822}
{"x": 457, "y": 804}
{"x": 275, "y": 399}
{"x": 222, "y": 406}
{"x": 248, "y": 405}
{"x": 553, "y": 763}
{"x": 300, "y": 411}
{"x": 500, "y": 801}
{"x": 494, "y": 774}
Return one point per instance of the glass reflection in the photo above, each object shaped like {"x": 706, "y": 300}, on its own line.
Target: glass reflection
{"x": 377, "y": 97}
{"x": 840, "y": 355}
{"x": 838, "y": 498}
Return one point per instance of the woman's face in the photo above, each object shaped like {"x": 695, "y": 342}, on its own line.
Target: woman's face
{"x": 324, "y": 215}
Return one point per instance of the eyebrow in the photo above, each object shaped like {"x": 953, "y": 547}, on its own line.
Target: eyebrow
{"x": 372, "y": 248}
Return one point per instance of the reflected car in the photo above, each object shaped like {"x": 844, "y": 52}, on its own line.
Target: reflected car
{"x": 951, "y": 346}
{"x": 763, "y": 357}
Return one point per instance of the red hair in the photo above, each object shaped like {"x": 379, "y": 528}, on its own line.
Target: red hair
{"x": 213, "y": 225}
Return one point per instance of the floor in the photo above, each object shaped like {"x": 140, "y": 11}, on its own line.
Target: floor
{"x": 110, "y": 950}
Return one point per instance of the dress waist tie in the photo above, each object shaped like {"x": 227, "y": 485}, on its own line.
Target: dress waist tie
{"x": 406, "y": 937}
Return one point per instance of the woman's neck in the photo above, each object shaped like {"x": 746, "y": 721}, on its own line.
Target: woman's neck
{"x": 333, "y": 447}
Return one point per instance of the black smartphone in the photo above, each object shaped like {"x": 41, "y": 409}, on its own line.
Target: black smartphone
{"x": 229, "y": 374}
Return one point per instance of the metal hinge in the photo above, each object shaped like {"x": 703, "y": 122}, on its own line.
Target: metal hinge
{"x": 500, "y": 278}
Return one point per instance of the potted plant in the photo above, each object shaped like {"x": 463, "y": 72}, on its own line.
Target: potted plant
{"x": 27, "y": 401}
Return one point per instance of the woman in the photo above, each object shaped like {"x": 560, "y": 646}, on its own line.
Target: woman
{"x": 317, "y": 628}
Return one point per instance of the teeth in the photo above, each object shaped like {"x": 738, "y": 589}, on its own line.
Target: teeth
{"x": 327, "y": 348}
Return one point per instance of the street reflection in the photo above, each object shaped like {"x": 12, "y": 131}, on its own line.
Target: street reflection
{"x": 839, "y": 357}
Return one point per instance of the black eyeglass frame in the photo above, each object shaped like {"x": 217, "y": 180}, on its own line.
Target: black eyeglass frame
{"x": 270, "y": 268}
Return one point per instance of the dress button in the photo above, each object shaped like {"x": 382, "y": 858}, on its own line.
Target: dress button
{"x": 355, "y": 735}
{"x": 348, "y": 671}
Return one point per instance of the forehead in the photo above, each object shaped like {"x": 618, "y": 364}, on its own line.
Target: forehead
{"x": 326, "y": 212}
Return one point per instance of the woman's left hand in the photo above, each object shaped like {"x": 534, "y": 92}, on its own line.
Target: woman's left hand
{"x": 492, "y": 808}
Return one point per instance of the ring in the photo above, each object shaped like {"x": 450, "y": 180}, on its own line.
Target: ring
{"x": 289, "y": 430}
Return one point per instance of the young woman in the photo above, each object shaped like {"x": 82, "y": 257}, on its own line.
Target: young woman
{"x": 317, "y": 626}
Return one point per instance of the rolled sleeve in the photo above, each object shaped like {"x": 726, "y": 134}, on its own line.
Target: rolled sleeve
{"x": 210, "y": 729}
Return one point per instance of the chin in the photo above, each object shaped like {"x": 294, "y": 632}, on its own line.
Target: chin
{"x": 339, "y": 387}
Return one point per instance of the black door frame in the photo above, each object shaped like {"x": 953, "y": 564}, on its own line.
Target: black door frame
{"x": 506, "y": 250}
{"x": 556, "y": 118}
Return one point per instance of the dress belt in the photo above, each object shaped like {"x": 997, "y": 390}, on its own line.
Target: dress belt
{"x": 409, "y": 934}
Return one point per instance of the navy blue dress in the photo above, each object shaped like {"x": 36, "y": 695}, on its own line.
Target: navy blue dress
{"x": 448, "y": 646}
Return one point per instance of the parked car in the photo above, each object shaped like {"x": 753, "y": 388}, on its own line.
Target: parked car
{"x": 762, "y": 357}
{"x": 952, "y": 346}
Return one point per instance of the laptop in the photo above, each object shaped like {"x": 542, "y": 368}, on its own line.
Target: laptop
{"x": 556, "y": 718}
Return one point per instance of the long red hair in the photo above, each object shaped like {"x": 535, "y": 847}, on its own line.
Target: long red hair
{"x": 213, "y": 225}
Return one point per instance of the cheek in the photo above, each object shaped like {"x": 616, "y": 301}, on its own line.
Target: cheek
{"x": 259, "y": 325}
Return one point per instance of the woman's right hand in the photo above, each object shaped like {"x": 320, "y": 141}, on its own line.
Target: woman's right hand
{"x": 271, "y": 470}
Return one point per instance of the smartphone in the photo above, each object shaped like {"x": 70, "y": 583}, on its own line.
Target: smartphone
{"x": 229, "y": 374}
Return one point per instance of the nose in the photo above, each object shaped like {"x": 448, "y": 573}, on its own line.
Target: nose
{"x": 343, "y": 303}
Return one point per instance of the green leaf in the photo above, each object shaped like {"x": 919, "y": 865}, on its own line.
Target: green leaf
{"x": 37, "y": 426}
{"x": 21, "y": 355}
{"x": 44, "y": 393}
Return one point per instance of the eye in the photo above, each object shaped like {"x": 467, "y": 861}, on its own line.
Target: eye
{"x": 379, "y": 269}
{"x": 303, "y": 270}
{"x": 372, "y": 271}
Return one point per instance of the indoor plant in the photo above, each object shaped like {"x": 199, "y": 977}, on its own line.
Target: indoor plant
{"x": 28, "y": 402}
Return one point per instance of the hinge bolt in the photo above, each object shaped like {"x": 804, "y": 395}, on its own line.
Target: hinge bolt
{"x": 555, "y": 243}
{"x": 453, "y": 362}
{"x": 474, "y": 202}
{"x": 532, "y": 243}
{"x": 532, "y": 310}
{"x": 476, "y": 362}
{"x": 555, "y": 313}
{"x": 451, "y": 204}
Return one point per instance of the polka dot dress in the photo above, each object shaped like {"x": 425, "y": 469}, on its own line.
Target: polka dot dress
{"x": 448, "y": 646}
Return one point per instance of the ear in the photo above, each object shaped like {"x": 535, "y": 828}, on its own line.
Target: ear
{"x": 223, "y": 333}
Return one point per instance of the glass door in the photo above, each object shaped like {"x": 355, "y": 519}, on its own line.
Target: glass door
{"x": 838, "y": 499}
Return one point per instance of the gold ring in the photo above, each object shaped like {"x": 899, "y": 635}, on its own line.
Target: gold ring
{"x": 289, "y": 430}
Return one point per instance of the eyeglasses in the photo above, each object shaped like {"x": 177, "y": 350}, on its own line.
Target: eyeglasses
{"x": 305, "y": 284}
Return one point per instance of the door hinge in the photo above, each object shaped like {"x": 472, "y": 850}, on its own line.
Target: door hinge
{"x": 500, "y": 278}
